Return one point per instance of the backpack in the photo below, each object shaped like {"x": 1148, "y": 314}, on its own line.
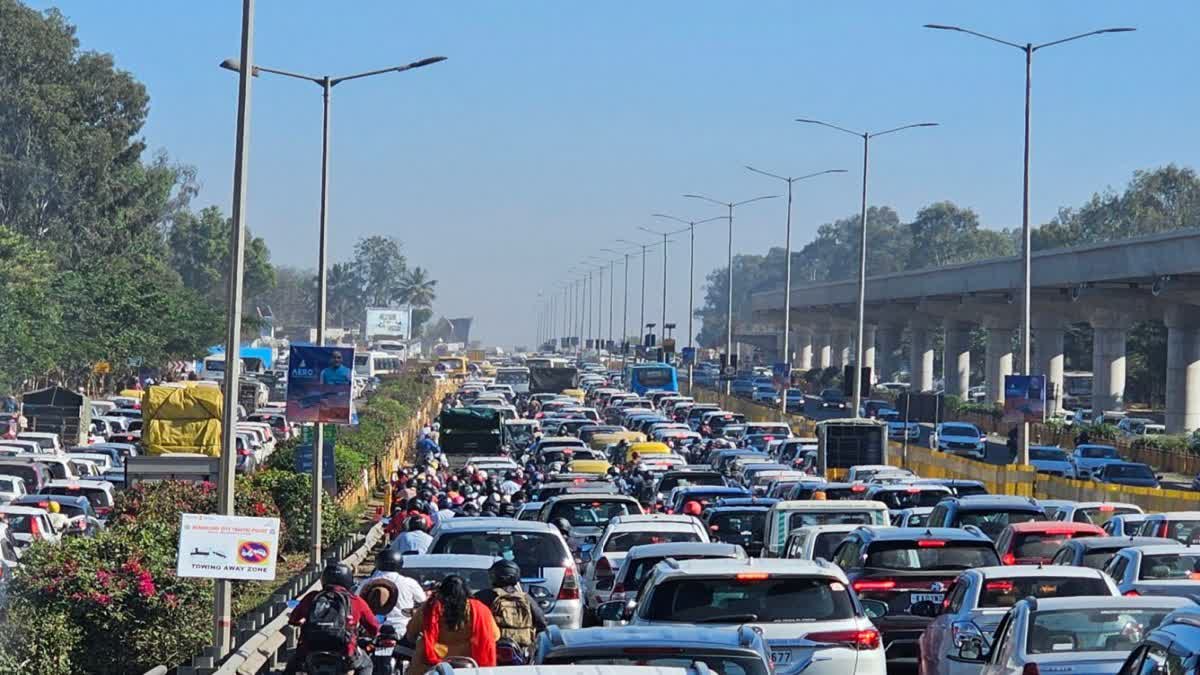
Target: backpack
{"x": 327, "y": 627}
{"x": 514, "y": 616}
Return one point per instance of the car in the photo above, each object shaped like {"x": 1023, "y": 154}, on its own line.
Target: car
{"x": 1172, "y": 647}
{"x": 1182, "y": 526}
{"x": 906, "y": 496}
{"x": 739, "y": 650}
{"x": 903, "y": 567}
{"x": 990, "y": 513}
{"x": 602, "y": 562}
{"x": 1170, "y": 569}
{"x": 1035, "y": 542}
{"x": 1132, "y": 427}
{"x": 539, "y": 549}
{"x": 28, "y": 524}
{"x": 100, "y": 493}
{"x": 704, "y": 494}
{"x": 914, "y": 517}
{"x": 582, "y": 517}
{"x": 898, "y": 428}
{"x": 876, "y": 407}
{"x": 1051, "y": 460}
{"x": 530, "y": 510}
{"x": 11, "y": 487}
{"x": 641, "y": 560}
{"x": 793, "y": 603}
{"x": 1134, "y": 474}
{"x": 961, "y": 438}
{"x": 1053, "y": 507}
{"x": 1127, "y": 525}
{"x": 430, "y": 569}
{"x": 82, "y": 520}
{"x": 48, "y": 442}
{"x": 1089, "y": 457}
{"x": 815, "y": 542}
{"x": 765, "y": 393}
{"x": 959, "y": 486}
{"x": 832, "y": 399}
{"x": 742, "y": 387}
{"x": 786, "y": 516}
{"x": 1095, "y": 552}
{"x": 34, "y": 475}
{"x": 742, "y": 525}
{"x": 978, "y": 600}
{"x": 795, "y": 400}
{"x": 684, "y": 477}
{"x": 590, "y": 485}
{"x": 1077, "y": 635}
{"x": 448, "y": 668}
{"x": 800, "y": 453}
{"x": 1096, "y": 513}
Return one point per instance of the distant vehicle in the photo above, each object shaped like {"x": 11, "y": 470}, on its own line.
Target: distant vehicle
{"x": 375, "y": 364}
{"x": 764, "y": 393}
{"x": 833, "y": 399}
{"x": 1051, "y": 460}
{"x": 642, "y": 377}
{"x": 516, "y": 377}
{"x": 1127, "y": 473}
{"x": 961, "y": 438}
{"x": 1088, "y": 458}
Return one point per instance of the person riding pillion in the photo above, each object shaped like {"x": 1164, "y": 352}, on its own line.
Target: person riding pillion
{"x": 517, "y": 615}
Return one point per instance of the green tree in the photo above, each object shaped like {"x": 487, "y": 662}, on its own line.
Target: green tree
{"x": 381, "y": 266}
{"x": 31, "y": 327}
{"x": 345, "y": 288}
{"x": 416, "y": 288}
{"x": 199, "y": 252}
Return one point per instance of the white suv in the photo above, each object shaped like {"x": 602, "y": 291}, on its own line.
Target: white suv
{"x": 622, "y": 534}
{"x": 803, "y": 608}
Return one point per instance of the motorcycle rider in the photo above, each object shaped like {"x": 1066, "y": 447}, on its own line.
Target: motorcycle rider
{"x": 409, "y": 592}
{"x": 415, "y": 538}
{"x": 336, "y": 581}
{"x": 517, "y": 615}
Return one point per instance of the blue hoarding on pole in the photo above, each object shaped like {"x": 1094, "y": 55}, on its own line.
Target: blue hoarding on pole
{"x": 304, "y": 462}
{"x": 1024, "y": 398}
{"x": 320, "y": 384}
{"x": 688, "y": 355}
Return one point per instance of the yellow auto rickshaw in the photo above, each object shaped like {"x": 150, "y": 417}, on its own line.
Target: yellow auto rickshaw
{"x": 646, "y": 449}
{"x": 589, "y": 466}
{"x": 577, "y": 394}
{"x": 602, "y": 441}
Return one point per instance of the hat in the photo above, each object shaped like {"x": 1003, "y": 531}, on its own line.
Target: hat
{"x": 380, "y": 594}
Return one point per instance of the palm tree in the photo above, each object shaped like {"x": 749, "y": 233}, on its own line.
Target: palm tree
{"x": 416, "y": 288}
{"x": 345, "y": 294}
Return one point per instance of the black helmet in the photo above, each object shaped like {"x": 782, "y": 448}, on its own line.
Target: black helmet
{"x": 504, "y": 573}
{"x": 415, "y": 523}
{"x": 337, "y": 574}
{"x": 389, "y": 560}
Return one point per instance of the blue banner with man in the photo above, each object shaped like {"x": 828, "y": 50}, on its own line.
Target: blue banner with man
{"x": 320, "y": 384}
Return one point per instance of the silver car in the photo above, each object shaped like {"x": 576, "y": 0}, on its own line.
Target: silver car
{"x": 1169, "y": 569}
{"x": 537, "y": 548}
{"x": 1080, "y": 636}
{"x": 978, "y": 600}
{"x": 1173, "y": 647}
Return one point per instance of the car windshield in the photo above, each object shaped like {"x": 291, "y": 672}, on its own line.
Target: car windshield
{"x": 530, "y": 550}
{"x": 98, "y": 498}
{"x": 1090, "y": 629}
{"x": 739, "y": 524}
{"x": 1099, "y": 452}
{"x": 993, "y": 522}
{"x": 890, "y": 417}
{"x": 909, "y": 498}
{"x": 477, "y": 579}
{"x": 1170, "y": 566}
{"x": 1041, "y": 546}
{"x": 1048, "y": 454}
{"x": 749, "y": 597}
{"x": 1138, "y": 471}
{"x": 930, "y": 554}
{"x": 1006, "y": 592}
{"x": 809, "y": 518}
{"x": 623, "y": 541}
{"x": 959, "y": 430}
{"x": 826, "y": 543}
{"x": 917, "y": 519}
{"x": 589, "y": 513}
{"x": 671, "y": 657}
{"x": 669, "y": 483}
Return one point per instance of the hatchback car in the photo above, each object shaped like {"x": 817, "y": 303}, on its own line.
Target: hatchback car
{"x": 623, "y": 533}
{"x": 1133, "y": 474}
{"x": 724, "y": 650}
{"x": 743, "y": 525}
{"x": 1036, "y": 542}
{"x": 1095, "y": 552}
{"x": 1172, "y": 647}
{"x": 1095, "y": 513}
{"x": 582, "y": 517}
{"x": 989, "y": 513}
{"x": 1157, "y": 570}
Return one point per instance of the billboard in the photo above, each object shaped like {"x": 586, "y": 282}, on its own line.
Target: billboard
{"x": 319, "y": 385}
{"x": 227, "y": 547}
{"x": 1024, "y": 398}
{"x": 389, "y": 322}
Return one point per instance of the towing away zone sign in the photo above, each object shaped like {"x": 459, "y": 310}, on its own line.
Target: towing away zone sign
{"x": 227, "y": 547}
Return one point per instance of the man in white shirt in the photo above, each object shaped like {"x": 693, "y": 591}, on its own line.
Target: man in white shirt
{"x": 414, "y": 539}
{"x": 409, "y": 593}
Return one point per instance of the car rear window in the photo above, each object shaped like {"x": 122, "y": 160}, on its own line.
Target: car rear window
{"x": 1090, "y": 630}
{"x": 752, "y": 523}
{"x": 26, "y": 473}
{"x": 930, "y": 554}
{"x": 671, "y": 482}
{"x": 1099, "y": 515}
{"x": 993, "y": 522}
{"x": 623, "y": 541}
{"x": 1183, "y": 531}
{"x": 826, "y": 543}
{"x": 1041, "y": 546}
{"x": 910, "y": 498}
{"x": 1006, "y": 592}
{"x": 98, "y": 498}
{"x": 666, "y": 657}
{"x": 530, "y": 550}
{"x": 431, "y": 577}
{"x": 591, "y": 513}
{"x": 1098, "y": 558}
{"x": 749, "y": 597}
{"x": 809, "y": 518}
{"x": 1170, "y": 566}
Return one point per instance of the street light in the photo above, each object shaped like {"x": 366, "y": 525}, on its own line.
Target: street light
{"x": 1026, "y": 233}
{"x": 729, "y": 315}
{"x": 612, "y": 275}
{"x": 642, "y": 313}
{"x": 866, "y": 137}
{"x": 664, "y": 235}
{"x": 625, "y": 310}
{"x": 326, "y": 83}
{"x": 787, "y": 269}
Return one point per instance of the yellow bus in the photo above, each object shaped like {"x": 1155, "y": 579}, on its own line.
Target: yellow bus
{"x": 453, "y": 366}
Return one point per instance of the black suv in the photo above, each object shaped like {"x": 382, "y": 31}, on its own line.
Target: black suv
{"x": 989, "y": 513}
{"x": 906, "y": 565}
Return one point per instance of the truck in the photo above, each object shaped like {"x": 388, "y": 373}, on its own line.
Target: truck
{"x": 550, "y": 379}
{"x": 182, "y": 417}
{"x": 516, "y": 377}
{"x": 843, "y": 443}
{"x": 471, "y": 431}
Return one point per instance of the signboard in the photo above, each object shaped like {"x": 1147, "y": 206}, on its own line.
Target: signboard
{"x": 782, "y": 374}
{"x": 689, "y": 356}
{"x": 227, "y": 547}
{"x": 1024, "y": 398}
{"x": 304, "y": 459}
{"x": 390, "y": 322}
{"x": 848, "y": 380}
{"x": 668, "y": 345}
{"x": 319, "y": 385}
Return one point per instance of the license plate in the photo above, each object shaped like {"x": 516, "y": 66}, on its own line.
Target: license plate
{"x": 935, "y": 598}
{"x": 383, "y": 651}
{"x": 781, "y": 657}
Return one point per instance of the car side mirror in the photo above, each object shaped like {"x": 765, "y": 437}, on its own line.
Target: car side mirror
{"x": 875, "y": 609}
{"x": 925, "y": 608}
{"x": 617, "y": 610}
{"x": 971, "y": 648}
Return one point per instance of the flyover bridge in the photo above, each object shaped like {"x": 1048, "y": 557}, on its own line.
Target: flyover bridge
{"x": 1109, "y": 286}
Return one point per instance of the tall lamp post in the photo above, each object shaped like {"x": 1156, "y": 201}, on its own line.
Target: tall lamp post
{"x": 1026, "y": 235}
{"x": 866, "y": 137}
{"x": 729, "y": 262}
{"x": 624, "y": 310}
{"x": 327, "y": 84}
{"x": 787, "y": 272}
{"x": 664, "y": 235}
{"x": 612, "y": 276}
{"x": 691, "y": 229}
{"x": 642, "y": 312}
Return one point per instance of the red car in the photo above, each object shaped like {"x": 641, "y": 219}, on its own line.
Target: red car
{"x": 1037, "y": 541}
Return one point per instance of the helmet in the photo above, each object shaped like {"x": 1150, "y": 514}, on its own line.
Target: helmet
{"x": 389, "y": 560}
{"x": 53, "y": 507}
{"x": 415, "y": 523}
{"x": 337, "y": 574}
{"x": 692, "y": 508}
{"x": 504, "y": 573}
{"x": 612, "y": 472}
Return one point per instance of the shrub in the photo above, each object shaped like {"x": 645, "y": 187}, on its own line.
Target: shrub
{"x": 291, "y": 493}
{"x": 1102, "y": 432}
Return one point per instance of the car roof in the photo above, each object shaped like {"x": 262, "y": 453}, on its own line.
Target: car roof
{"x": 1176, "y": 515}
{"x": 460, "y": 560}
{"x": 591, "y": 496}
{"x": 835, "y": 504}
{"x": 699, "y": 637}
{"x": 746, "y": 508}
{"x": 644, "y": 518}
{"x": 466, "y": 523}
{"x": 991, "y": 572}
{"x": 18, "y": 510}
{"x": 991, "y": 501}
{"x": 773, "y": 566}
{"x": 81, "y": 482}
{"x": 821, "y": 529}
{"x": 905, "y": 487}
{"x": 1107, "y": 602}
{"x": 909, "y": 533}
{"x": 1123, "y": 542}
{"x": 1057, "y": 525}
{"x": 1165, "y": 549}
{"x": 714, "y": 549}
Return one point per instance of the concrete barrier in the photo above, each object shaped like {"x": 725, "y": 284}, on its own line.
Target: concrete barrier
{"x": 999, "y": 479}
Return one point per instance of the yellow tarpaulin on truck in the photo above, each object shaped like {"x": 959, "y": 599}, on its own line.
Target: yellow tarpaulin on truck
{"x": 182, "y": 419}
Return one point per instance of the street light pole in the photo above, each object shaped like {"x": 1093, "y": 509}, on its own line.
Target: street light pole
{"x": 664, "y": 235}
{"x": 223, "y": 588}
{"x": 859, "y": 348}
{"x": 1026, "y": 231}
{"x": 787, "y": 275}
{"x": 729, "y": 263}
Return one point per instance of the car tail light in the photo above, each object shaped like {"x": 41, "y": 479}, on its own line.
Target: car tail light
{"x": 858, "y": 488}
{"x": 913, "y": 491}
{"x": 930, "y": 543}
{"x": 1008, "y": 559}
{"x": 874, "y": 585}
{"x": 1030, "y": 669}
{"x": 1106, "y": 508}
{"x": 752, "y": 576}
{"x": 34, "y": 528}
{"x": 603, "y": 568}
{"x": 1002, "y": 586}
{"x": 1058, "y": 531}
{"x": 245, "y": 453}
{"x": 858, "y": 639}
{"x": 570, "y": 586}
{"x": 1131, "y": 593}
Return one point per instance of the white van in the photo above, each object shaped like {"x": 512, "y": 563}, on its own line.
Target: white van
{"x": 788, "y": 515}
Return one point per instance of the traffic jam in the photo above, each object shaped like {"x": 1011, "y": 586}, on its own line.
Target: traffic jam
{"x": 654, "y": 529}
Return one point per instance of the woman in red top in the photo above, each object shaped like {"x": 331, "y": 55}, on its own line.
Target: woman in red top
{"x": 452, "y": 623}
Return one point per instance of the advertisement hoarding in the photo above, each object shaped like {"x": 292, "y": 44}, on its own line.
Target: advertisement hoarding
{"x": 319, "y": 385}
{"x": 389, "y": 322}
{"x": 227, "y": 547}
{"x": 1024, "y": 398}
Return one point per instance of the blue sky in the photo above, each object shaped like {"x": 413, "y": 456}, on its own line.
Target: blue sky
{"x": 557, "y": 127}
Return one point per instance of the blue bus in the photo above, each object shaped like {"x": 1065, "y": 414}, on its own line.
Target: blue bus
{"x": 644, "y": 377}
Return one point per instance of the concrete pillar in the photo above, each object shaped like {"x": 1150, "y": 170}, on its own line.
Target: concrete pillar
{"x": 920, "y": 369}
{"x": 841, "y": 347}
{"x": 999, "y": 359}
{"x": 888, "y": 337}
{"x": 803, "y": 349}
{"x": 956, "y": 363}
{"x": 825, "y": 349}
{"x": 1108, "y": 360}
{"x": 1183, "y": 369}
{"x": 868, "y": 350}
{"x": 1048, "y": 331}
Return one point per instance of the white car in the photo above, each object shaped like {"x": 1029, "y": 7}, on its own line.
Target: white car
{"x": 603, "y": 562}
{"x": 46, "y": 441}
{"x": 804, "y": 609}
{"x": 1051, "y": 460}
{"x": 11, "y": 487}
{"x": 29, "y": 524}
{"x": 815, "y": 541}
{"x": 961, "y": 438}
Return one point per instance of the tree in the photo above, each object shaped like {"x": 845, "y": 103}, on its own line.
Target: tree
{"x": 291, "y": 300}
{"x": 345, "y": 288}
{"x": 31, "y": 328}
{"x": 381, "y": 266}
{"x": 416, "y": 288}
{"x": 199, "y": 252}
